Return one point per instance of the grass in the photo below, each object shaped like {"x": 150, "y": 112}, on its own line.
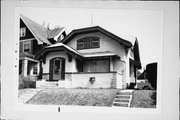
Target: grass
{"x": 144, "y": 99}
{"x": 81, "y": 97}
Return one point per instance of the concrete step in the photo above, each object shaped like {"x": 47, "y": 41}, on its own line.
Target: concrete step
{"x": 48, "y": 85}
{"x": 121, "y": 100}
{"x": 120, "y": 104}
{"x": 124, "y": 93}
{"x": 123, "y": 96}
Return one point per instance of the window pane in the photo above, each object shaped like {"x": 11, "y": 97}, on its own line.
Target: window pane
{"x": 35, "y": 70}
{"x": 80, "y": 44}
{"x": 22, "y": 32}
{"x": 88, "y": 42}
{"x": 27, "y": 46}
{"x": 96, "y": 66}
{"x": 95, "y": 42}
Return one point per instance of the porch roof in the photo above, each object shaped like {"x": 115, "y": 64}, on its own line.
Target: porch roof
{"x": 99, "y": 54}
{"x": 59, "y": 47}
{"x": 63, "y": 45}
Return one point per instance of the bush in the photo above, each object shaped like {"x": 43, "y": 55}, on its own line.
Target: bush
{"x": 25, "y": 82}
{"x": 146, "y": 88}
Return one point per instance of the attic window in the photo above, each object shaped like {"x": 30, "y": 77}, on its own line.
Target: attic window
{"x": 22, "y": 32}
{"x": 88, "y": 42}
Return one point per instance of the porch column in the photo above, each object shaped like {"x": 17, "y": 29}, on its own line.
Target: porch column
{"x": 127, "y": 72}
{"x": 40, "y": 69}
{"x": 111, "y": 64}
{"x": 25, "y": 67}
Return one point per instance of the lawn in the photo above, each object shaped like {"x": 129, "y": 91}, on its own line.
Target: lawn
{"x": 81, "y": 97}
{"x": 144, "y": 99}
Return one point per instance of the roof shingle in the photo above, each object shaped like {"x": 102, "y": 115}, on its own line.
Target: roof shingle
{"x": 40, "y": 33}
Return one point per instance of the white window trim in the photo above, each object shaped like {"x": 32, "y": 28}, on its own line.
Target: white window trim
{"x": 21, "y": 31}
{"x": 27, "y": 42}
{"x": 33, "y": 70}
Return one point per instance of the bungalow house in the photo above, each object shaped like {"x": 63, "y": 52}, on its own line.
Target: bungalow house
{"x": 33, "y": 38}
{"x": 91, "y": 57}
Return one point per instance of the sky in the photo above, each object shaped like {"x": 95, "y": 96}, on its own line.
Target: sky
{"x": 146, "y": 25}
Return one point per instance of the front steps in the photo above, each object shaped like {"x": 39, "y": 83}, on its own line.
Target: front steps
{"x": 123, "y": 98}
{"x": 46, "y": 84}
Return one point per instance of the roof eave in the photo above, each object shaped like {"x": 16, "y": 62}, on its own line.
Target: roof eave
{"x": 57, "y": 48}
{"x": 95, "y": 29}
{"x": 33, "y": 31}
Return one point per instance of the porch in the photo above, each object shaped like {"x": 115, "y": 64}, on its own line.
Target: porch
{"x": 113, "y": 80}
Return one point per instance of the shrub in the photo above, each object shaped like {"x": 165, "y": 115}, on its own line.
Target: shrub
{"x": 26, "y": 82}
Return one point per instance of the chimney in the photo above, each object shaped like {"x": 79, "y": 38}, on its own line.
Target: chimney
{"x": 48, "y": 26}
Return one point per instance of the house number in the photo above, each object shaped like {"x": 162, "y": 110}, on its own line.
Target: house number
{"x": 59, "y": 109}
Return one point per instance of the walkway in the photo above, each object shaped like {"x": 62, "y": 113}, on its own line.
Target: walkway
{"x": 27, "y": 94}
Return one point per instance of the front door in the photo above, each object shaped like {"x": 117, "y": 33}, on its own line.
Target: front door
{"x": 57, "y": 68}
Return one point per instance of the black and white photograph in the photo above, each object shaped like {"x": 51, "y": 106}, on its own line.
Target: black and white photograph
{"x": 89, "y": 60}
{"x": 89, "y": 57}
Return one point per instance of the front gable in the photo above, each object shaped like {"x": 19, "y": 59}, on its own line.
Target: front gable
{"x": 96, "y": 29}
{"x": 28, "y": 34}
{"x": 95, "y": 42}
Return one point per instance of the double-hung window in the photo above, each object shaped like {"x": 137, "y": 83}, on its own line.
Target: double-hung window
{"x": 27, "y": 46}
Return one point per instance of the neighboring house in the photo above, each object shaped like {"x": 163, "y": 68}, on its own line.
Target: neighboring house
{"x": 148, "y": 77}
{"x": 33, "y": 38}
{"x": 142, "y": 75}
{"x": 91, "y": 58}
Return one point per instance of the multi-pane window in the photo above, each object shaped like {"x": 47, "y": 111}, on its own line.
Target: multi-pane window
{"x": 96, "y": 65}
{"x": 22, "y": 32}
{"x": 35, "y": 70}
{"x": 88, "y": 42}
{"x": 27, "y": 46}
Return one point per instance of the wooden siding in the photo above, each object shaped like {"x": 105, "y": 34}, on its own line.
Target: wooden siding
{"x": 28, "y": 32}
{"x": 35, "y": 48}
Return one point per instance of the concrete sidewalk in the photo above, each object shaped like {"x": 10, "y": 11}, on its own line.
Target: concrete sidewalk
{"x": 27, "y": 94}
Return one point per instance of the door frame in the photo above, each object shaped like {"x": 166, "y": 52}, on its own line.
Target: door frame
{"x": 51, "y": 68}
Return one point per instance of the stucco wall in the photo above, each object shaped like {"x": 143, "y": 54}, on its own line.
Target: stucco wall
{"x": 70, "y": 66}
{"x": 106, "y": 44}
{"x": 102, "y": 80}
{"x": 118, "y": 65}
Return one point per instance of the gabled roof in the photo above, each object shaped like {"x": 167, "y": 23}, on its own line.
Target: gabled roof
{"x": 40, "y": 33}
{"x": 75, "y": 32}
{"x": 58, "y": 47}
{"x": 65, "y": 46}
{"x": 37, "y": 30}
{"x": 54, "y": 32}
